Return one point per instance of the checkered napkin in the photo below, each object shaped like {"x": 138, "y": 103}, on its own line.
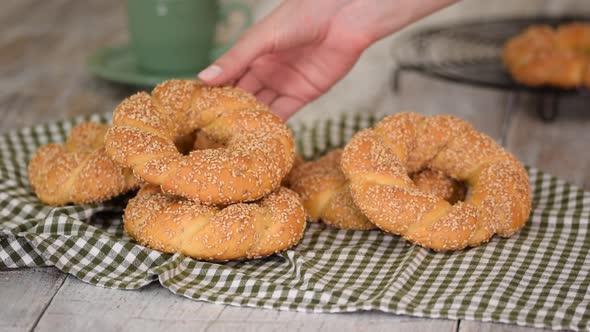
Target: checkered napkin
{"x": 540, "y": 277}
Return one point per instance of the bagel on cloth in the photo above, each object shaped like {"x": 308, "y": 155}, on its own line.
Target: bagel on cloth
{"x": 378, "y": 161}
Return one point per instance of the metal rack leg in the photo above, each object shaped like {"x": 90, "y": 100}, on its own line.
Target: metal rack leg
{"x": 507, "y": 116}
{"x": 395, "y": 78}
{"x": 548, "y": 113}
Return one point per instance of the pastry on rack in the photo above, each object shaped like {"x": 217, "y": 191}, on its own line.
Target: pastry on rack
{"x": 545, "y": 56}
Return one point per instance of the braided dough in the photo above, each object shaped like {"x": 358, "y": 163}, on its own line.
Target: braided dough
{"x": 326, "y": 196}
{"x": 80, "y": 171}
{"x": 377, "y": 163}
{"x": 243, "y": 230}
{"x": 542, "y": 55}
{"x": 257, "y": 147}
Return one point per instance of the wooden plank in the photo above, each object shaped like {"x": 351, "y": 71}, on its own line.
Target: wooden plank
{"x": 43, "y": 61}
{"x": 25, "y": 295}
{"x": 474, "y": 326}
{"x": 82, "y": 307}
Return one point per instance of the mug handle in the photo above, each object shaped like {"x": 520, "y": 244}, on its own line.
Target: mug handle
{"x": 224, "y": 12}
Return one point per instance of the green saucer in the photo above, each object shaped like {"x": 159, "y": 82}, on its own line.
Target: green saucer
{"x": 118, "y": 64}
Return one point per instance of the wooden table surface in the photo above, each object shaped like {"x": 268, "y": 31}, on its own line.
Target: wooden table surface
{"x": 43, "y": 46}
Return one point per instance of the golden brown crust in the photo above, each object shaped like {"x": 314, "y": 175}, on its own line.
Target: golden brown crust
{"x": 542, "y": 55}
{"x": 297, "y": 161}
{"x": 376, "y": 163}
{"x": 257, "y": 153}
{"x": 80, "y": 171}
{"x": 326, "y": 195}
{"x": 243, "y": 230}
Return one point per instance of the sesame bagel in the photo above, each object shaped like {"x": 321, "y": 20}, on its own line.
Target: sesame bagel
{"x": 243, "y": 230}
{"x": 326, "y": 196}
{"x": 378, "y": 161}
{"x": 256, "y": 153}
{"x": 543, "y": 55}
{"x": 80, "y": 171}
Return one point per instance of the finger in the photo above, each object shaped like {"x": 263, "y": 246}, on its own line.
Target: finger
{"x": 285, "y": 107}
{"x": 234, "y": 81}
{"x": 249, "y": 82}
{"x": 231, "y": 83}
{"x": 252, "y": 44}
{"x": 267, "y": 96}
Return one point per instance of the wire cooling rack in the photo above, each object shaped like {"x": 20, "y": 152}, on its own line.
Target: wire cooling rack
{"x": 470, "y": 53}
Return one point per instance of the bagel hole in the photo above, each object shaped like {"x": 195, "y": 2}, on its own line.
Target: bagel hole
{"x": 437, "y": 183}
{"x": 196, "y": 140}
{"x": 202, "y": 141}
{"x": 184, "y": 143}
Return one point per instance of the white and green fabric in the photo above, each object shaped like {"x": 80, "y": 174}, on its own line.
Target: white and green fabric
{"x": 540, "y": 277}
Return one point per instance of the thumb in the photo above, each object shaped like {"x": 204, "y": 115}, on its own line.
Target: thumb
{"x": 255, "y": 42}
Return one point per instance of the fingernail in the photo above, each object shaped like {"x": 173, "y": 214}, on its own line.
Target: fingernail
{"x": 210, "y": 73}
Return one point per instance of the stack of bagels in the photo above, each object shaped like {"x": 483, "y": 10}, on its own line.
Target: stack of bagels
{"x": 210, "y": 162}
{"x": 213, "y": 163}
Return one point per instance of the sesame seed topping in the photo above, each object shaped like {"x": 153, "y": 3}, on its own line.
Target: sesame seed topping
{"x": 80, "y": 171}
{"x": 255, "y": 154}
{"x": 378, "y": 163}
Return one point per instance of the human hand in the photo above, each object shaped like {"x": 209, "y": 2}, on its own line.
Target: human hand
{"x": 304, "y": 47}
{"x": 293, "y": 56}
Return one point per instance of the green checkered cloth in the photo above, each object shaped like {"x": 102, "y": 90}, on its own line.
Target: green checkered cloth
{"x": 540, "y": 277}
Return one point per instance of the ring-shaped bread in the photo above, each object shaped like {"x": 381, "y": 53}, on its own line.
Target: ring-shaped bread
{"x": 257, "y": 153}
{"x": 543, "y": 55}
{"x": 80, "y": 171}
{"x": 173, "y": 224}
{"x": 325, "y": 194}
{"x": 377, "y": 162}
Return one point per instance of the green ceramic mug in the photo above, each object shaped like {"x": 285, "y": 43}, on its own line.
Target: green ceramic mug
{"x": 172, "y": 36}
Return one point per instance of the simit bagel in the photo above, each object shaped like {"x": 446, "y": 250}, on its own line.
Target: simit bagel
{"x": 80, "y": 171}
{"x": 243, "y": 230}
{"x": 256, "y": 153}
{"x": 377, "y": 163}
{"x": 542, "y": 55}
